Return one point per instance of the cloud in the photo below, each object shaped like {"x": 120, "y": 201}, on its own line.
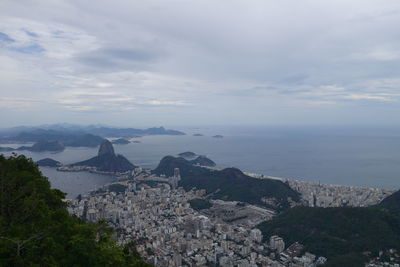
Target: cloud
{"x": 368, "y": 97}
{"x": 237, "y": 59}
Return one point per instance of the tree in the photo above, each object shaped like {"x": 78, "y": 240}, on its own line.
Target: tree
{"x": 37, "y": 230}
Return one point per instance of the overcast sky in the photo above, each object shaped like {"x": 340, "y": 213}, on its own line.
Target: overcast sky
{"x": 199, "y": 62}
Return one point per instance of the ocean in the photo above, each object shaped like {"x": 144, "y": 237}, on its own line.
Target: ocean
{"x": 358, "y": 156}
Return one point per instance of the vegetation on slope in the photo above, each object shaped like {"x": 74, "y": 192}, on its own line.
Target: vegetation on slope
{"x": 200, "y": 204}
{"x": 48, "y": 162}
{"x": 340, "y": 234}
{"x": 229, "y": 184}
{"x": 36, "y": 229}
{"x": 203, "y": 161}
{"x": 391, "y": 203}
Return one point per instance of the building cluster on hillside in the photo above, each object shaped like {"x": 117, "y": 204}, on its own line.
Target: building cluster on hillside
{"x": 169, "y": 232}
{"x": 325, "y": 195}
{"x": 388, "y": 258}
{"x": 315, "y": 194}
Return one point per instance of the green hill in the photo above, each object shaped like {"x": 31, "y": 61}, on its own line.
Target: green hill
{"x": 229, "y": 184}
{"x": 48, "y": 162}
{"x": 391, "y": 203}
{"x": 340, "y": 234}
{"x": 37, "y": 230}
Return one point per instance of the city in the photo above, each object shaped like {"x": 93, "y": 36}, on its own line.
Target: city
{"x": 169, "y": 232}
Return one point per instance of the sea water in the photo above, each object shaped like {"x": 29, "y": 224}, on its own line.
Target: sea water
{"x": 362, "y": 156}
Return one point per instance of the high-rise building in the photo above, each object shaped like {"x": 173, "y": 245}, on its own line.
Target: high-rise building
{"x": 175, "y": 179}
{"x": 256, "y": 235}
{"x": 277, "y": 243}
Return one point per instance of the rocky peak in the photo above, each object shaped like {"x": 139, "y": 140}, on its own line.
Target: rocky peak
{"x": 106, "y": 148}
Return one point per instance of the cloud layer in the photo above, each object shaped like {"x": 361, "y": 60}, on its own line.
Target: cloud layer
{"x": 199, "y": 62}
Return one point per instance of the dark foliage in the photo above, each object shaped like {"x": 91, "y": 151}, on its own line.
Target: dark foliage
{"x": 340, "y": 234}
{"x": 36, "y": 229}
{"x": 200, "y": 204}
{"x": 229, "y": 184}
{"x": 48, "y": 162}
{"x": 203, "y": 161}
{"x": 391, "y": 203}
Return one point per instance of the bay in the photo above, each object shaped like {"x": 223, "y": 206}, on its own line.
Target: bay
{"x": 359, "y": 156}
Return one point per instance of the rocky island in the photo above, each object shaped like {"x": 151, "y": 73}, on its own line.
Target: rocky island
{"x": 48, "y": 162}
{"x": 107, "y": 161}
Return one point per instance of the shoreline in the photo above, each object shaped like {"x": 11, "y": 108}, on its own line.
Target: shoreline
{"x": 313, "y": 194}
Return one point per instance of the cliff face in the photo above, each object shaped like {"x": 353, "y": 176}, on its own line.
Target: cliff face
{"x": 106, "y": 148}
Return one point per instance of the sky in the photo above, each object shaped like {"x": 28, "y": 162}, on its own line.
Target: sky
{"x": 200, "y": 62}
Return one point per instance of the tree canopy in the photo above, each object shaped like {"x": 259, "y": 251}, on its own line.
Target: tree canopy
{"x": 37, "y": 230}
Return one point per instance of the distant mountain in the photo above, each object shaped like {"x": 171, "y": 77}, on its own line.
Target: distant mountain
{"x": 340, "y": 234}
{"x": 66, "y": 138}
{"x": 43, "y": 145}
{"x": 107, "y": 160}
{"x": 218, "y": 136}
{"x": 197, "y": 135}
{"x": 203, "y": 161}
{"x": 229, "y": 184}
{"x": 87, "y": 140}
{"x": 6, "y": 149}
{"x": 68, "y": 133}
{"x": 120, "y": 141}
{"x": 128, "y": 132}
{"x": 391, "y": 203}
{"x": 48, "y": 162}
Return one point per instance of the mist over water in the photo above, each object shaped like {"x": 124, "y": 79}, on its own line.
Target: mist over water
{"x": 346, "y": 156}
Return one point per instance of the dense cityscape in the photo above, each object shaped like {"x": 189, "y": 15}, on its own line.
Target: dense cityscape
{"x": 170, "y": 232}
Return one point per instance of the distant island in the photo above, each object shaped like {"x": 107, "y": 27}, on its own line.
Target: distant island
{"x": 187, "y": 154}
{"x": 198, "y": 134}
{"x": 107, "y": 161}
{"x": 43, "y": 145}
{"x": 218, "y": 136}
{"x": 120, "y": 141}
{"x": 69, "y": 132}
{"x": 67, "y": 135}
{"x": 48, "y": 162}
